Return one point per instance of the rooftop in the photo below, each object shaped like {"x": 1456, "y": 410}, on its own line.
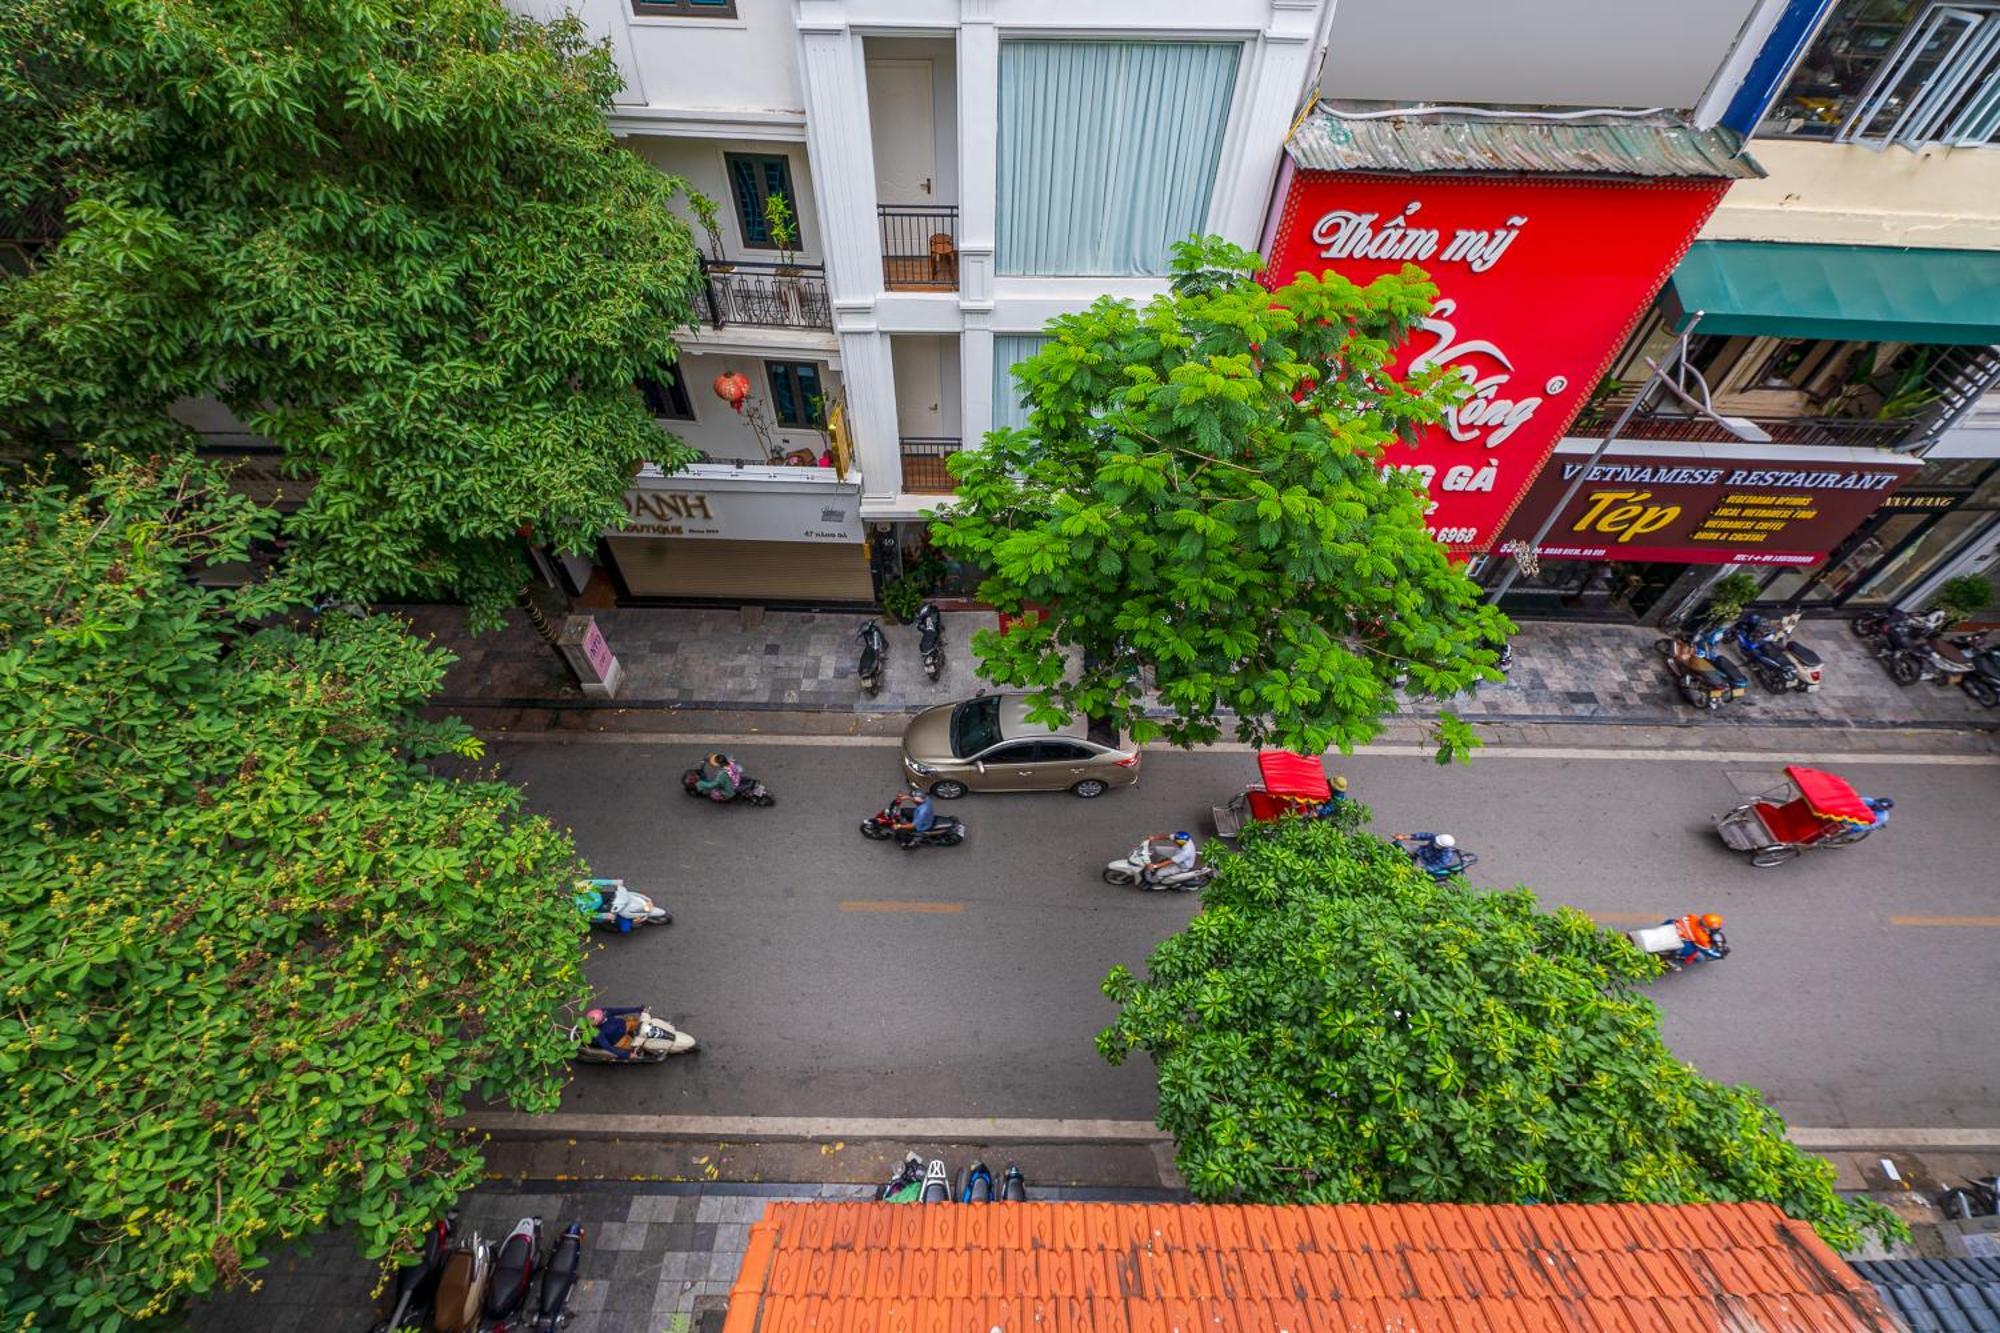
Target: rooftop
{"x": 1198, "y": 1268}
{"x": 1459, "y": 139}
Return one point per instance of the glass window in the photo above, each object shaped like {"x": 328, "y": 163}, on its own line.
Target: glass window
{"x": 1914, "y": 563}
{"x": 753, "y": 178}
{"x": 975, "y": 724}
{"x": 796, "y": 396}
{"x": 1897, "y": 71}
{"x": 1010, "y": 409}
{"x": 1060, "y": 752}
{"x": 666, "y": 396}
{"x": 685, "y": 9}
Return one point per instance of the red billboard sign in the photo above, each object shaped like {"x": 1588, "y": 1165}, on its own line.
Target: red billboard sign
{"x": 1539, "y": 281}
{"x": 1708, "y": 504}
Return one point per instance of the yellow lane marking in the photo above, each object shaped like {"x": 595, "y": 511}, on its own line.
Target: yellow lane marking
{"x": 897, "y": 905}
{"x": 1944, "y": 920}
{"x": 1625, "y": 918}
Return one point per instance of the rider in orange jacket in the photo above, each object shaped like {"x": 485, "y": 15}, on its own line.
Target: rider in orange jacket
{"x": 1700, "y": 935}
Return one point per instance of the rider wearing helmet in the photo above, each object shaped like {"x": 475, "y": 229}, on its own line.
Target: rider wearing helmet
{"x": 1435, "y": 852}
{"x": 613, "y": 1030}
{"x": 719, "y": 776}
{"x": 912, "y": 814}
{"x": 1701, "y": 936}
{"x": 1178, "y": 861}
{"x": 1881, "y": 805}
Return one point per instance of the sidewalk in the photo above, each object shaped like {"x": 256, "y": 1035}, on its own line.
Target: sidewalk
{"x": 1564, "y": 673}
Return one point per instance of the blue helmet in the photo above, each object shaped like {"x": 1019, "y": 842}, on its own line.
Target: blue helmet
{"x": 1183, "y": 836}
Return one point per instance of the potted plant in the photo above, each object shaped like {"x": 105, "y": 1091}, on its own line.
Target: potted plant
{"x": 1732, "y": 592}
{"x": 1963, "y": 598}
{"x": 710, "y": 217}
{"x": 781, "y": 225}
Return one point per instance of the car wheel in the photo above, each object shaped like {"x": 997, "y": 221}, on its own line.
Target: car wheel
{"x": 1088, "y": 788}
{"x": 948, "y": 790}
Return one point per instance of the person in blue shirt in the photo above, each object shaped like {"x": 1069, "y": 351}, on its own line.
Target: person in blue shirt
{"x": 614, "y": 1029}
{"x": 1436, "y": 853}
{"x": 1332, "y": 803}
{"x": 922, "y": 815}
{"x": 1881, "y": 805}
{"x": 720, "y": 776}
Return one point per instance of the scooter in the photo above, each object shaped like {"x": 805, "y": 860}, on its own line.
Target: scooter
{"x": 461, "y": 1291}
{"x": 1013, "y": 1185}
{"x": 654, "y": 1040}
{"x": 976, "y": 1185}
{"x": 1773, "y": 668}
{"x": 747, "y": 789}
{"x": 559, "y": 1278}
{"x": 1130, "y": 869}
{"x": 416, "y": 1283}
{"x": 937, "y": 1183}
{"x": 1983, "y": 681}
{"x": 1457, "y": 861}
{"x": 874, "y": 656}
{"x": 1664, "y": 942}
{"x": 930, "y": 638}
{"x": 1948, "y": 662}
{"x": 612, "y": 906}
{"x": 514, "y": 1269}
{"x": 1811, "y": 669}
{"x": 907, "y": 1184}
{"x": 1877, "y": 624}
{"x": 1975, "y": 1198}
{"x": 881, "y": 826}
{"x": 1701, "y": 681}
{"x": 1708, "y": 643}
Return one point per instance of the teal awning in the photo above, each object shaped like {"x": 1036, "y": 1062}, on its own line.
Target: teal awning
{"x": 1864, "y": 293}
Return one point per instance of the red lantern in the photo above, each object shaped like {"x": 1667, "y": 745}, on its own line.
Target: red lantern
{"x": 732, "y": 387}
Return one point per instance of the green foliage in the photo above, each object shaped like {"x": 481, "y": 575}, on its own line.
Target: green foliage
{"x": 783, "y": 230}
{"x": 902, "y": 597}
{"x": 254, "y": 954}
{"x": 1335, "y": 1027}
{"x": 1963, "y": 597}
{"x": 396, "y": 238}
{"x": 1731, "y": 593}
{"x": 709, "y": 217}
{"x": 1200, "y": 503}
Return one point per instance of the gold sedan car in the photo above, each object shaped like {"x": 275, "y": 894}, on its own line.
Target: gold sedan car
{"x": 987, "y": 744}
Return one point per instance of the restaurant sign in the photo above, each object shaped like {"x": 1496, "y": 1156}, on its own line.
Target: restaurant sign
{"x": 1708, "y": 504}
{"x": 781, "y": 504}
{"x": 1539, "y": 281}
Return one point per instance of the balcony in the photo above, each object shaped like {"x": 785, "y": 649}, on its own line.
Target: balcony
{"x": 919, "y": 247}
{"x": 777, "y": 296}
{"x": 924, "y": 465}
{"x": 1843, "y": 431}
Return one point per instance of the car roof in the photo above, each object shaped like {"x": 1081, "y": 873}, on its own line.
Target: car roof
{"x": 1014, "y": 723}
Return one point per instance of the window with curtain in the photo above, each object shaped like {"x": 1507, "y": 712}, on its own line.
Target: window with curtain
{"x": 1009, "y": 350}
{"x": 1108, "y": 152}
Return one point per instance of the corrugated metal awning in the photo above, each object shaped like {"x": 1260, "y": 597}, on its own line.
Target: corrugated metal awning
{"x": 1648, "y": 147}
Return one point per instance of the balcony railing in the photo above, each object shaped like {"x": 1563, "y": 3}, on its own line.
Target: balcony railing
{"x": 1848, "y": 431}
{"x": 751, "y": 291}
{"x": 923, "y": 464}
{"x": 919, "y": 247}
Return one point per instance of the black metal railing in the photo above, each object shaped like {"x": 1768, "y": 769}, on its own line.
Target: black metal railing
{"x": 752, "y": 291}
{"x": 919, "y": 246}
{"x": 924, "y": 472}
{"x": 1852, "y": 432}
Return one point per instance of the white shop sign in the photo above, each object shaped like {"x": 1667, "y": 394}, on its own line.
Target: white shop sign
{"x": 769, "y": 504}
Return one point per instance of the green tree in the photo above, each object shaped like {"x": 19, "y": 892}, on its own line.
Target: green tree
{"x": 1198, "y": 506}
{"x": 396, "y": 238}
{"x": 254, "y": 953}
{"x": 1335, "y": 1027}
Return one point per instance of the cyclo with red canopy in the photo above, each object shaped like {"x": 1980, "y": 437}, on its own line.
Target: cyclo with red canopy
{"x": 1810, "y": 808}
{"x": 1293, "y": 784}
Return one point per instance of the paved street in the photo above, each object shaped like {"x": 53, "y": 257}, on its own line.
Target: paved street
{"x": 831, "y": 976}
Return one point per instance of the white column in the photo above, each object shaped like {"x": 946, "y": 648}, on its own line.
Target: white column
{"x": 834, "y": 73}
{"x": 975, "y": 376}
{"x": 870, "y": 377}
{"x": 978, "y": 151}
{"x": 1274, "y": 67}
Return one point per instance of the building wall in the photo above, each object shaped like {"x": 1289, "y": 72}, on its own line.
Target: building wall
{"x": 717, "y": 429}
{"x": 1940, "y": 198}
{"x": 701, "y": 163}
{"x": 744, "y": 64}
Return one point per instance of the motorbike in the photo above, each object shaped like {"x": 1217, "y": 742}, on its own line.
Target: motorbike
{"x": 416, "y": 1284}
{"x": 937, "y": 1184}
{"x": 1664, "y": 942}
{"x": 1983, "y": 681}
{"x": 1975, "y": 1198}
{"x": 874, "y": 656}
{"x": 514, "y": 1267}
{"x": 1013, "y": 1185}
{"x": 1808, "y": 664}
{"x": 1457, "y": 862}
{"x": 1701, "y": 680}
{"x": 612, "y": 906}
{"x": 881, "y": 826}
{"x": 461, "y": 1290}
{"x": 1130, "y": 869}
{"x": 559, "y": 1278}
{"x": 1948, "y": 661}
{"x": 1708, "y": 642}
{"x": 930, "y": 638}
{"x": 654, "y": 1040}
{"x": 1876, "y": 624}
{"x": 1778, "y": 665}
{"x": 906, "y": 1184}
{"x": 747, "y": 789}
{"x": 976, "y": 1185}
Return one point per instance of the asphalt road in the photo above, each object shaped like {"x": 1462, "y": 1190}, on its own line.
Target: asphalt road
{"x": 831, "y": 976}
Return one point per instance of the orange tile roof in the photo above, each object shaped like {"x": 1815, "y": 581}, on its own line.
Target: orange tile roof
{"x": 1199, "y": 1268}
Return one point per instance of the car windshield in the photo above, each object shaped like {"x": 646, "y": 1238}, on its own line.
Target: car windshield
{"x": 975, "y": 725}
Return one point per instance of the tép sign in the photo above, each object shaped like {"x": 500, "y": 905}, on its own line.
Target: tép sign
{"x": 1539, "y": 281}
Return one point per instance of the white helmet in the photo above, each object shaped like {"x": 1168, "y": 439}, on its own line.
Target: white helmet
{"x": 1445, "y": 840}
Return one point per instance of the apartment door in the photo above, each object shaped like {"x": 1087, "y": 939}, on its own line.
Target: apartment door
{"x": 919, "y": 367}
{"x": 902, "y": 131}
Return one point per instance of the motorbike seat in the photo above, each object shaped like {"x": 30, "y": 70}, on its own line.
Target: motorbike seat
{"x": 870, "y": 660}
{"x": 509, "y": 1287}
{"x": 1803, "y": 655}
{"x": 560, "y": 1277}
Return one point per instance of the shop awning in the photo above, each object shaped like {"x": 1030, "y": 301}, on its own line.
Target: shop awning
{"x": 1860, "y": 292}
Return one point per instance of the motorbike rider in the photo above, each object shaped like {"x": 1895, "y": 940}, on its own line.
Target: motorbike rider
{"x": 720, "y": 776}
{"x": 1700, "y": 936}
{"x": 1179, "y": 861}
{"x": 1435, "y": 852}
{"x": 614, "y": 1030}
{"x": 922, "y": 815}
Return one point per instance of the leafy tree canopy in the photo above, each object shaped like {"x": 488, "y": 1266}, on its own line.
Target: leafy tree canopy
{"x": 254, "y": 954}
{"x": 394, "y": 236}
{"x": 1335, "y": 1027}
{"x": 1198, "y": 506}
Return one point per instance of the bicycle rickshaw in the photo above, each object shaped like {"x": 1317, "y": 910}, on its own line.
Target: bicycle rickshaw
{"x": 1293, "y": 784}
{"x": 1809, "y": 809}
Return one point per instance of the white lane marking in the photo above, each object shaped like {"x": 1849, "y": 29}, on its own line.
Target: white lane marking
{"x": 1392, "y": 750}
{"x": 944, "y": 1129}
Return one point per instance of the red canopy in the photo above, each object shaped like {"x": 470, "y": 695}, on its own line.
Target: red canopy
{"x": 1830, "y": 797}
{"x": 1288, "y": 774}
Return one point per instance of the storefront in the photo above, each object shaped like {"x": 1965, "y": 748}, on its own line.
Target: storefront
{"x": 1541, "y": 269}
{"x": 757, "y": 534}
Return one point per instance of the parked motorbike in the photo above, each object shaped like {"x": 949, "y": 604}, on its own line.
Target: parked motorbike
{"x": 1983, "y": 681}
{"x": 1876, "y": 624}
{"x": 1013, "y": 1185}
{"x": 1975, "y": 1198}
{"x": 1810, "y": 667}
{"x": 1455, "y": 862}
{"x": 416, "y": 1284}
{"x": 874, "y": 656}
{"x": 881, "y": 826}
{"x": 930, "y": 638}
{"x": 937, "y": 1183}
{"x": 1701, "y": 681}
{"x": 906, "y": 1184}
{"x": 1779, "y": 665}
{"x": 612, "y": 906}
{"x": 1947, "y": 660}
{"x": 1664, "y": 942}
{"x": 976, "y": 1185}
{"x": 652, "y": 1041}
{"x": 747, "y": 789}
{"x": 1130, "y": 869}
{"x": 461, "y": 1291}
{"x": 514, "y": 1268}
{"x": 559, "y": 1279}
{"x": 1708, "y": 642}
